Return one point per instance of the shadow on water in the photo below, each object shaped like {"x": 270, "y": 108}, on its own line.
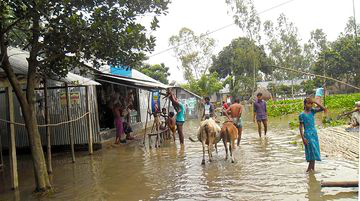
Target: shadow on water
{"x": 267, "y": 168}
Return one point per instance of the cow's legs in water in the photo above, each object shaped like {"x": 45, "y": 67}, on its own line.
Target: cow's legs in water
{"x": 203, "y": 160}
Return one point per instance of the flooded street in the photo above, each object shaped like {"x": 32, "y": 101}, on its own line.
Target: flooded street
{"x": 271, "y": 168}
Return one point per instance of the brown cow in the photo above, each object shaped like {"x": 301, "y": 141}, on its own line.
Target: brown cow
{"x": 229, "y": 133}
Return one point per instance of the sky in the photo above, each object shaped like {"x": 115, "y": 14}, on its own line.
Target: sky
{"x": 203, "y": 16}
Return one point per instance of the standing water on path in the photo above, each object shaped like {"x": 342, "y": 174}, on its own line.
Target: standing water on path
{"x": 270, "y": 168}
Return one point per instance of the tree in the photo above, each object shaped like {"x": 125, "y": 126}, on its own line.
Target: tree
{"x": 309, "y": 87}
{"x": 62, "y": 35}
{"x": 352, "y": 28}
{"x": 158, "y": 72}
{"x": 207, "y": 85}
{"x": 193, "y": 51}
{"x": 235, "y": 62}
{"x": 247, "y": 18}
{"x": 285, "y": 50}
{"x": 341, "y": 60}
{"x": 313, "y": 47}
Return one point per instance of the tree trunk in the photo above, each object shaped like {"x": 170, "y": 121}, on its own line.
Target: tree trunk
{"x": 27, "y": 103}
{"x": 41, "y": 174}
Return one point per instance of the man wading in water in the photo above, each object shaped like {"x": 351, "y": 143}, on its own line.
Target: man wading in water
{"x": 235, "y": 111}
{"x": 260, "y": 113}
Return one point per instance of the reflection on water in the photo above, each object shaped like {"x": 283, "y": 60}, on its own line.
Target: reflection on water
{"x": 269, "y": 168}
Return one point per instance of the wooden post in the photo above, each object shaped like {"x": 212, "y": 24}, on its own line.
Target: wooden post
{"x": 71, "y": 134}
{"x": 90, "y": 131}
{"x": 344, "y": 184}
{"x": 147, "y": 114}
{"x": 12, "y": 144}
{"x": 47, "y": 121}
{"x": 1, "y": 155}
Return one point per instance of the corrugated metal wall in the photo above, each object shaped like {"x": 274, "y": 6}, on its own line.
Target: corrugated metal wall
{"x": 193, "y": 112}
{"x": 58, "y": 113}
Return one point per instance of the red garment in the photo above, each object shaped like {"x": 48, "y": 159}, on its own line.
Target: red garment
{"x": 119, "y": 127}
{"x": 226, "y": 106}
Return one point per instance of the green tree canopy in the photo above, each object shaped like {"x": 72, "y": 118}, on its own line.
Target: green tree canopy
{"x": 158, "y": 72}
{"x": 207, "y": 85}
{"x": 341, "y": 60}
{"x": 193, "y": 51}
{"x": 236, "y": 62}
{"x": 61, "y": 35}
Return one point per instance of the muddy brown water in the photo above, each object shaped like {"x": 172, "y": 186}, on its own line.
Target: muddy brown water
{"x": 270, "y": 168}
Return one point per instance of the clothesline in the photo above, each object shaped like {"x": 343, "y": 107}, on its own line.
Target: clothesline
{"x": 47, "y": 125}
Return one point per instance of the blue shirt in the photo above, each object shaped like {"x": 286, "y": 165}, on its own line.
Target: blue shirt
{"x": 180, "y": 116}
{"x": 319, "y": 92}
{"x": 260, "y": 110}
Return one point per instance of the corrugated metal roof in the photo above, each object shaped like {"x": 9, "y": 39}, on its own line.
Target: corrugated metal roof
{"x": 137, "y": 78}
{"x": 18, "y": 61}
{"x": 135, "y": 75}
{"x": 281, "y": 82}
{"x": 192, "y": 93}
{"x": 131, "y": 81}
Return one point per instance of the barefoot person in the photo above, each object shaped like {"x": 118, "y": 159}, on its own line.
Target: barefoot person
{"x": 308, "y": 132}
{"x": 235, "y": 111}
{"x": 260, "y": 113}
{"x": 118, "y": 121}
{"x": 172, "y": 124}
{"x": 180, "y": 114}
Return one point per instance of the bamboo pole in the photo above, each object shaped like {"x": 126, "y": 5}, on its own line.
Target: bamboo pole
{"x": 71, "y": 134}
{"x": 344, "y": 184}
{"x": 12, "y": 143}
{"x": 89, "y": 127}
{"x": 321, "y": 76}
{"x": 147, "y": 115}
{"x": 47, "y": 121}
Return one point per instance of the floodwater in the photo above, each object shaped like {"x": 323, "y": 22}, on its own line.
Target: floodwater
{"x": 270, "y": 168}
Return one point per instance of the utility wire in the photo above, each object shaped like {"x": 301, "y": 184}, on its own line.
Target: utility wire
{"x": 221, "y": 28}
{"x": 321, "y": 76}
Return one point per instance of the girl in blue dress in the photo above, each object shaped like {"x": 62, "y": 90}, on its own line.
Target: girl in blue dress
{"x": 308, "y": 132}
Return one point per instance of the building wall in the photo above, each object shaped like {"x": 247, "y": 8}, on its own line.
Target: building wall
{"x": 191, "y": 103}
{"x": 58, "y": 113}
{"x": 144, "y": 103}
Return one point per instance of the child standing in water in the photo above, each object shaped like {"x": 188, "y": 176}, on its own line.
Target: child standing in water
{"x": 308, "y": 132}
{"x": 172, "y": 124}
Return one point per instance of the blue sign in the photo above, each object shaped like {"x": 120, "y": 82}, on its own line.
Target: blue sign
{"x": 121, "y": 70}
{"x": 155, "y": 102}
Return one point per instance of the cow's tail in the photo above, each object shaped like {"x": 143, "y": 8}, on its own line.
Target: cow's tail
{"x": 192, "y": 140}
{"x": 226, "y": 133}
{"x": 206, "y": 128}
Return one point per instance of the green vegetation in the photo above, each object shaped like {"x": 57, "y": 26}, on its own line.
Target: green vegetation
{"x": 158, "y": 72}
{"x": 294, "y": 124}
{"x": 328, "y": 122}
{"x": 343, "y": 102}
{"x": 63, "y": 35}
{"x": 205, "y": 86}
